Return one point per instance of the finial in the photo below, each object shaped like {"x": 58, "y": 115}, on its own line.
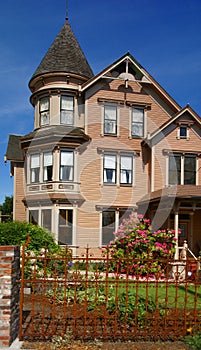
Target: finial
{"x": 66, "y": 10}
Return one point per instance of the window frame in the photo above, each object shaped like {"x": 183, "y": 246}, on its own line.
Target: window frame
{"x": 44, "y": 112}
{"x": 72, "y": 167}
{"x": 67, "y": 225}
{"x": 108, "y": 120}
{"x": 119, "y": 216}
{"x": 109, "y": 155}
{"x": 45, "y": 167}
{"x": 67, "y": 110}
{"x": 130, "y": 170}
{"x": 137, "y": 123}
{"x": 35, "y": 170}
{"x": 181, "y": 177}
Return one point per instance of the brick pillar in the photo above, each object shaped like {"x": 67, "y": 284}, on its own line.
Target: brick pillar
{"x": 9, "y": 294}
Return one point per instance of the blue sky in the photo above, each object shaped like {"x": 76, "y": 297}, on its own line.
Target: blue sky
{"x": 163, "y": 35}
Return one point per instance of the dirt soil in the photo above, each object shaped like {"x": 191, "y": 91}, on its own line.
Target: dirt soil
{"x": 77, "y": 345}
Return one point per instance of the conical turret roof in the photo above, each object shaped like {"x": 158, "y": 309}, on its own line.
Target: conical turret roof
{"x": 65, "y": 55}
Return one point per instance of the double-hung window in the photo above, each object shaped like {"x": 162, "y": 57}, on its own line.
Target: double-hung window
{"x": 126, "y": 169}
{"x": 110, "y": 165}
{"x": 110, "y": 119}
{"x": 47, "y": 166}
{"x": 118, "y": 169}
{"x": 67, "y": 110}
{"x": 137, "y": 122}
{"x": 35, "y": 168}
{"x": 182, "y": 169}
{"x": 44, "y": 107}
{"x": 67, "y": 165}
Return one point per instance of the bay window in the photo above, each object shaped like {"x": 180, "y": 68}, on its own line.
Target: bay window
{"x": 35, "y": 168}
{"x": 47, "y": 166}
{"x": 65, "y": 234}
{"x": 67, "y": 110}
{"x": 46, "y": 218}
{"x": 44, "y": 108}
{"x": 66, "y": 165}
{"x": 137, "y": 122}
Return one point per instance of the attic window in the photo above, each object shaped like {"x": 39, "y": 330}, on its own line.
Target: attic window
{"x": 183, "y": 132}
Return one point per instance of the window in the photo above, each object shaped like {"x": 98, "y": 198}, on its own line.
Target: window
{"x": 66, "y": 165}
{"x": 44, "y": 111}
{"x": 47, "y": 166}
{"x": 182, "y": 169}
{"x": 183, "y": 131}
{"x": 126, "y": 169}
{"x": 137, "y": 123}
{"x": 65, "y": 235}
{"x": 35, "y": 168}
{"x": 67, "y": 110}
{"x": 108, "y": 226}
{"x": 110, "y": 119}
{"x": 118, "y": 169}
{"x": 111, "y": 220}
{"x": 109, "y": 169}
{"x": 189, "y": 170}
{"x": 33, "y": 217}
{"x": 46, "y": 215}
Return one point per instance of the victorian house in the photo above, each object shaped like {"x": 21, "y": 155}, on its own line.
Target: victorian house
{"x": 102, "y": 147}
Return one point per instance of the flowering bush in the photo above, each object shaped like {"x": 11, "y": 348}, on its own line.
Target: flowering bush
{"x": 136, "y": 249}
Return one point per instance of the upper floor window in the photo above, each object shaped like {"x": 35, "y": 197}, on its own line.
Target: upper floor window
{"x": 126, "y": 169}
{"x": 109, "y": 168}
{"x": 44, "y": 108}
{"x": 67, "y": 110}
{"x": 118, "y": 169}
{"x": 110, "y": 119}
{"x": 182, "y": 169}
{"x": 137, "y": 122}
{"x": 183, "y": 132}
{"x": 47, "y": 166}
{"x": 67, "y": 165}
{"x": 35, "y": 168}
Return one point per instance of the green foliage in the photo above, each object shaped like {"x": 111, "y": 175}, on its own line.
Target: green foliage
{"x": 194, "y": 341}
{"x": 16, "y": 233}
{"x": 7, "y": 209}
{"x": 136, "y": 249}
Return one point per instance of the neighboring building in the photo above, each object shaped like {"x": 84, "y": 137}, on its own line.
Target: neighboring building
{"x": 103, "y": 146}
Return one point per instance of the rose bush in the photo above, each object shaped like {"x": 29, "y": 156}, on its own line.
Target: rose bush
{"x": 136, "y": 249}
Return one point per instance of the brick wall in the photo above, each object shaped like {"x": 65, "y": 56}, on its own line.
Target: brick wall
{"x": 9, "y": 294}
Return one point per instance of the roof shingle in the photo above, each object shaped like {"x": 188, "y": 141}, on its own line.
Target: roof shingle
{"x": 65, "y": 55}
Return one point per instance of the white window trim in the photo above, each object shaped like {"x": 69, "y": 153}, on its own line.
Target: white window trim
{"x": 103, "y": 119}
{"x": 187, "y": 137}
{"x": 182, "y": 169}
{"x": 144, "y": 122}
{"x": 118, "y": 155}
{"x": 74, "y": 226}
{"x": 40, "y": 215}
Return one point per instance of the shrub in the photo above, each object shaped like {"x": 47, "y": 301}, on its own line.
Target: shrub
{"x": 16, "y": 233}
{"x": 136, "y": 249}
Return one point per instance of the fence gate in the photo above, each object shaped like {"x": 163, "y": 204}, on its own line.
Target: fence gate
{"x": 98, "y": 299}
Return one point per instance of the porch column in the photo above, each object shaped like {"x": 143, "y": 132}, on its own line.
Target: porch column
{"x": 176, "y": 228}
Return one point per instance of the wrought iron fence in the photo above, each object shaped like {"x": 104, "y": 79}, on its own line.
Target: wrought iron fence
{"x": 101, "y": 298}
